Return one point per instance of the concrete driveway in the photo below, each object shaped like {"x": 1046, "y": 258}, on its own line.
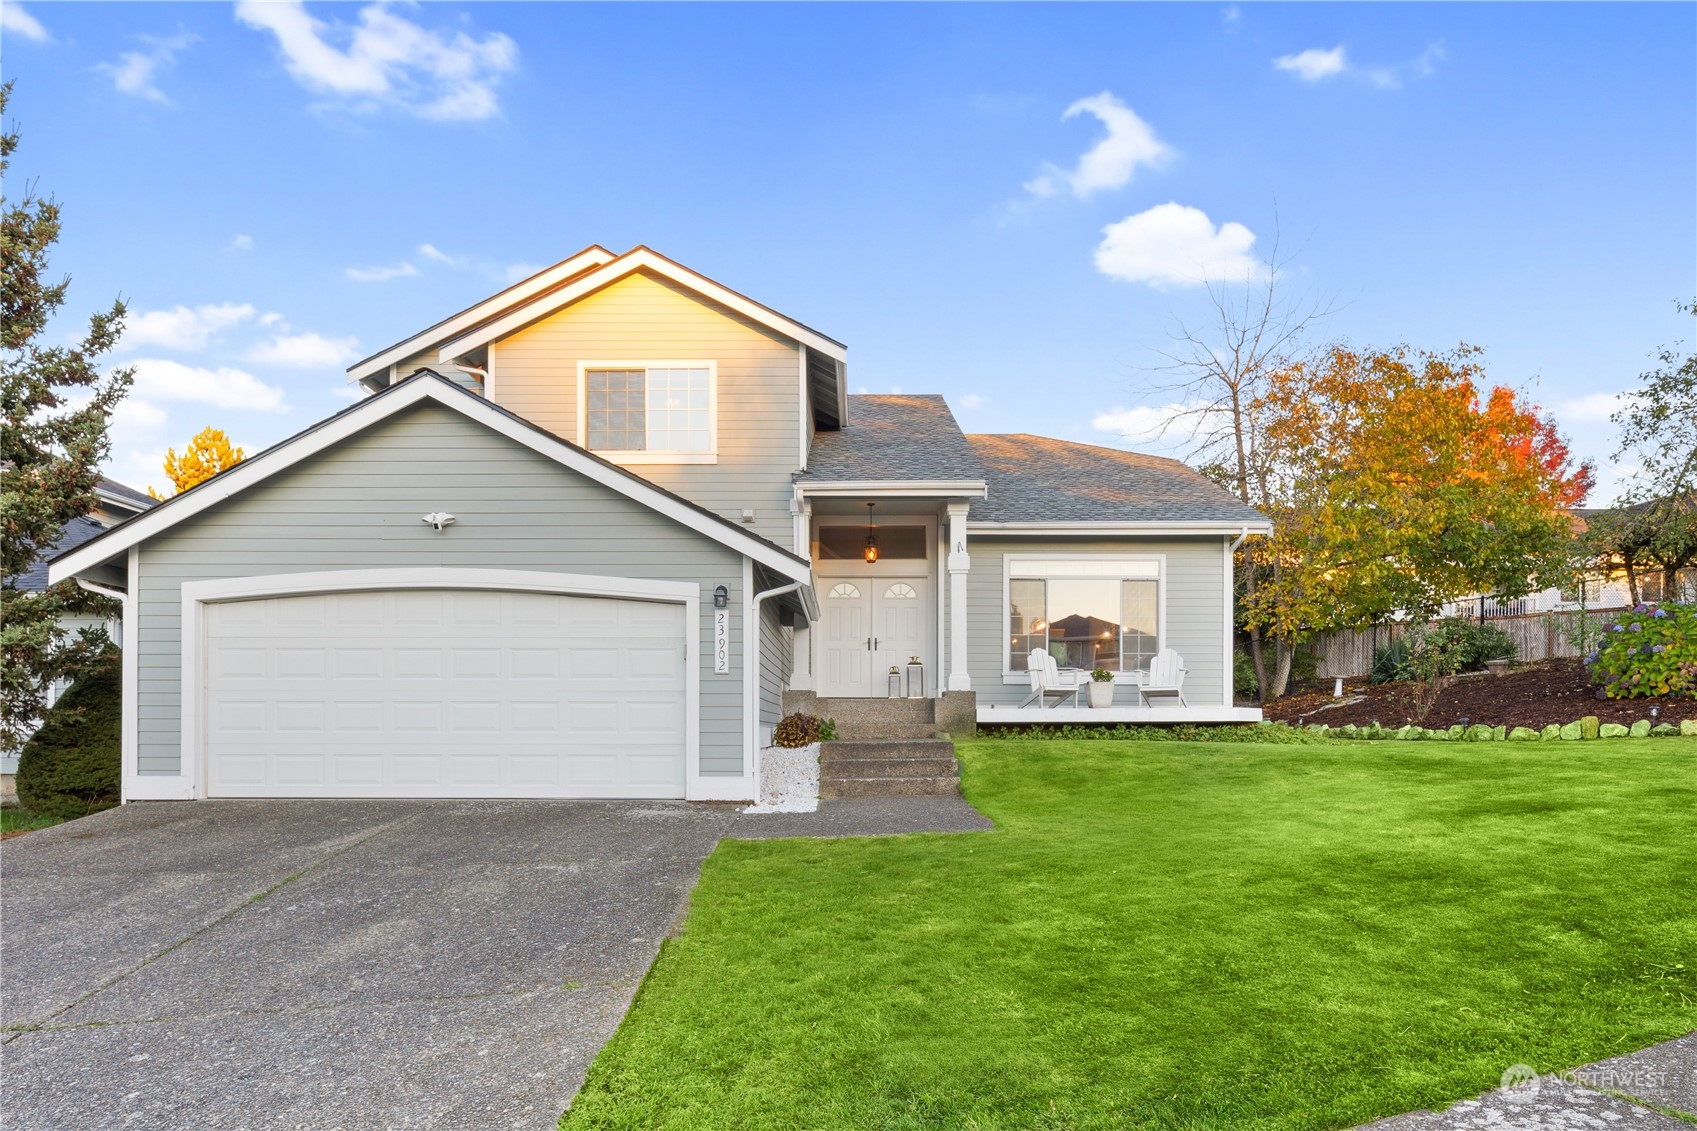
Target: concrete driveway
{"x": 348, "y": 964}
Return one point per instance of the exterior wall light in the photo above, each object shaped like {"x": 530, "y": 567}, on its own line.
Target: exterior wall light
{"x": 871, "y": 551}
{"x": 439, "y": 520}
{"x": 721, "y": 598}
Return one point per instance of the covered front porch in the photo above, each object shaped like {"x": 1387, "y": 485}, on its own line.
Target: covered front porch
{"x": 1164, "y": 715}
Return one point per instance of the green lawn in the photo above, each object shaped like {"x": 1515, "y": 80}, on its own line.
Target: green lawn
{"x": 1181, "y": 935}
{"x": 15, "y": 820}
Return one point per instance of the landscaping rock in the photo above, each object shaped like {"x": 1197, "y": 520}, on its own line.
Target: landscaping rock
{"x": 1552, "y": 732}
{"x": 1612, "y": 730}
{"x": 1640, "y": 729}
{"x": 1523, "y": 734}
{"x": 1499, "y": 734}
{"x": 1348, "y": 730}
{"x": 1572, "y": 732}
{"x": 1406, "y": 733}
{"x": 1439, "y": 736}
{"x": 1664, "y": 729}
{"x": 1456, "y": 732}
{"x": 1479, "y": 732}
{"x": 1588, "y": 726}
{"x": 1688, "y": 727}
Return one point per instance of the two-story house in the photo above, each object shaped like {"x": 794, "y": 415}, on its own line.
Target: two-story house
{"x": 580, "y": 539}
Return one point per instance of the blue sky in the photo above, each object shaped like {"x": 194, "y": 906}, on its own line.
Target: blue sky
{"x": 279, "y": 190}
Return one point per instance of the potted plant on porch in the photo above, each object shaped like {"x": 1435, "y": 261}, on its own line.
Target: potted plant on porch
{"x": 1101, "y": 688}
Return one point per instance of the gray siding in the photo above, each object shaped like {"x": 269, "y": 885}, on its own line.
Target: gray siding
{"x": 777, "y": 652}
{"x": 357, "y": 506}
{"x": 1195, "y": 624}
{"x": 645, "y": 318}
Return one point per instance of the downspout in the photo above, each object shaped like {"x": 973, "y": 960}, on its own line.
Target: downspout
{"x": 1241, "y": 539}
{"x": 810, "y": 608}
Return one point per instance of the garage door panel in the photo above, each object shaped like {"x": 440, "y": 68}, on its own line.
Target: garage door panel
{"x": 445, "y": 693}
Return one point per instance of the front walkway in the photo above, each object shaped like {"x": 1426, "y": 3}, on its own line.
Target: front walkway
{"x": 1623, "y": 1092}
{"x": 349, "y": 964}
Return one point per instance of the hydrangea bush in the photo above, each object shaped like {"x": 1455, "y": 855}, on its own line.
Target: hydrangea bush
{"x": 1651, "y": 650}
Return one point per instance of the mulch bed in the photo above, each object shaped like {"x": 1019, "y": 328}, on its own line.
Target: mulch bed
{"x": 1553, "y": 691}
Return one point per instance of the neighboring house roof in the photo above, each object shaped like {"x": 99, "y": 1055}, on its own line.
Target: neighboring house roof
{"x": 893, "y": 437}
{"x": 566, "y": 282}
{"x": 125, "y": 496}
{"x": 1034, "y": 479}
{"x": 77, "y": 531}
{"x": 380, "y": 406}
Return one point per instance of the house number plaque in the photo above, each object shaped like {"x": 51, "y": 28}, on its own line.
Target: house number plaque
{"x": 721, "y": 641}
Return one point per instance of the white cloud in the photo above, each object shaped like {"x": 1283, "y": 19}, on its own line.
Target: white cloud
{"x": 1170, "y": 427}
{"x": 303, "y": 351}
{"x": 14, "y": 19}
{"x": 973, "y": 400}
{"x": 387, "y": 60}
{"x": 241, "y": 243}
{"x": 1314, "y": 65}
{"x": 183, "y": 329}
{"x": 1173, "y": 245}
{"x": 1232, "y": 15}
{"x": 381, "y": 274}
{"x": 272, "y": 318}
{"x": 159, "y": 379}
{"x": 134, "y": 415}
{"x": 1111, "y": 162}
{"x": 134, "y": 71}
{"x": 430, "y": 251}
{"x": 1593, "y": 408}
{"x": 515, "y": 272}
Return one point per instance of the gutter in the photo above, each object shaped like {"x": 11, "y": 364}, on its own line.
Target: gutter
{"x": 1241, "y": 539}
{"x": 810, "y": 603}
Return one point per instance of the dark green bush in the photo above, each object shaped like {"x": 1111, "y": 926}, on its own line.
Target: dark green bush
{"x": 1269, "y": 733}
{"x": 1390, "y": 663}
{"x": 1304, "y": 665}
{"x": 1486, "y": 642}
{"x": 799, "y": 730}
{"x": 70, "y": 767}
{"x": 1244, "y": 683}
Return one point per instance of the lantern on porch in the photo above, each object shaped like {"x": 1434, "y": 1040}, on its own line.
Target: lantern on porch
{"x": 915, "y": 679}
{"x": 894, "y": 691}
{"x": 871, "y": 551}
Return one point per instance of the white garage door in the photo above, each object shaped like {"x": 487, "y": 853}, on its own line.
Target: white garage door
{"x": 444, "y": 693}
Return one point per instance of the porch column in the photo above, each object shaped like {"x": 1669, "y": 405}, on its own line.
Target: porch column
{"x": 959, "y": 563}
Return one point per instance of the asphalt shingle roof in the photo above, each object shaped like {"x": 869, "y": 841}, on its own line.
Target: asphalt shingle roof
{"x": 891, "y": 436}
{"x": 77, "y": 531}
{"x": 1036, "y": 479}
{"x": 141, "y": 498}
{"x": 1030, "y": 478}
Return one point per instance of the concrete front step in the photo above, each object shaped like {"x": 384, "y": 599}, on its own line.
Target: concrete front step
{"x": 889, "y": 787}
{"x": 888, "y": 768}
{"x": 886, "y": 748}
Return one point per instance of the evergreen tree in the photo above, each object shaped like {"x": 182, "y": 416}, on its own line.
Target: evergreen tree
{"x": 57, "y": 407}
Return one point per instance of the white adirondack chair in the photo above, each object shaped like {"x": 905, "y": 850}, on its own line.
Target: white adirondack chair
{"x": 1050, "y": 681}
{"x": 1166, "y": 677}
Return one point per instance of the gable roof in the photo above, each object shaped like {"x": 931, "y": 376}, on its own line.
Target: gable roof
{"x": 380, "y": 406}
{"x": 557, "y": 287}
{"x": 894, "y": 436}
{"x": 1037, "y": 480}
{"x": 546, "y": 280}
{"x": 125, "y": 496}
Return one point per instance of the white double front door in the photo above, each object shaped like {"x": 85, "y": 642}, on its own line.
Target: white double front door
{"x": 870, "y": 626}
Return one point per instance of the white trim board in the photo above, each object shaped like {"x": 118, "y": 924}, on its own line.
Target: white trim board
{"x": 636, "y": 259}
{"x": 1117, "y": 529}
{"x": 523, "y": 291}
{"x": 896, "y": 488}
{"x": 190, "y": 780}
{"x": 380, "y": 407}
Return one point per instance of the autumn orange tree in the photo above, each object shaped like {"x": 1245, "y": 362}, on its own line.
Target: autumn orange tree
{"x": 205, "y": 456}
{"x": 1396, "y": 486}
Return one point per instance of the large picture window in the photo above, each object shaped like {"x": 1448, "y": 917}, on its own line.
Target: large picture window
{"x": 1087, "y": 613}
{"x": 649, "y": 409}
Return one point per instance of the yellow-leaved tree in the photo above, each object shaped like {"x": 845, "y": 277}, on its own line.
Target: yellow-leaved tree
{"x": 205, "y": 456}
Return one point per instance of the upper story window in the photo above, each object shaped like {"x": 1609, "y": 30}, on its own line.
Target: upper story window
{"x": 651, "y": 412}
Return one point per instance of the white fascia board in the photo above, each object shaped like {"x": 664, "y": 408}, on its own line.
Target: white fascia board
{"x": 518, "y": 293}
{"x": 1116, "y": 529}
{"x": 378, "y": 408}
{"x": 898, "y": 488}
{"x": 638, "y": 260}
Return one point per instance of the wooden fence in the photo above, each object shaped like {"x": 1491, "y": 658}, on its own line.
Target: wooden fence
{"x": 1536, "y": 636}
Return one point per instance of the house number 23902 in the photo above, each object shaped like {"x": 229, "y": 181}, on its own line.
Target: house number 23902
{"x": 721, "y": 641}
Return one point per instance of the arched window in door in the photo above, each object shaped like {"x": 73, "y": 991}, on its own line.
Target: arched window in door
{"x": 844, "y": 589}
{"x": 900, "y": 591}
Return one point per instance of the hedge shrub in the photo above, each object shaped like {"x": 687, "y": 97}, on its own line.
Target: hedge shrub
{"x": 1651, "y": 650}
{"x": 70, "y": 767}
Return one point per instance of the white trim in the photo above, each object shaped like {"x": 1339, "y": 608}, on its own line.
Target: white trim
{"x": 898, "y": 488}
{"x": 1097, "y": 716}
{"x": 191, "y": 780}
{"x": 502, "y": 300}
{"x": 1009, "y": 676}
{"x": 489, "y": 374}
{"x": 750, "y": 683}
{"x": 1226, "y": 611}
{"x": 1114, "y": 529}
{"x": 640, "y": 258}
{"x": 959, "y": 566}
{"x": 802, "y": 410}
{"x": 381, "y": 407}
{"x": 711, "y": 455}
